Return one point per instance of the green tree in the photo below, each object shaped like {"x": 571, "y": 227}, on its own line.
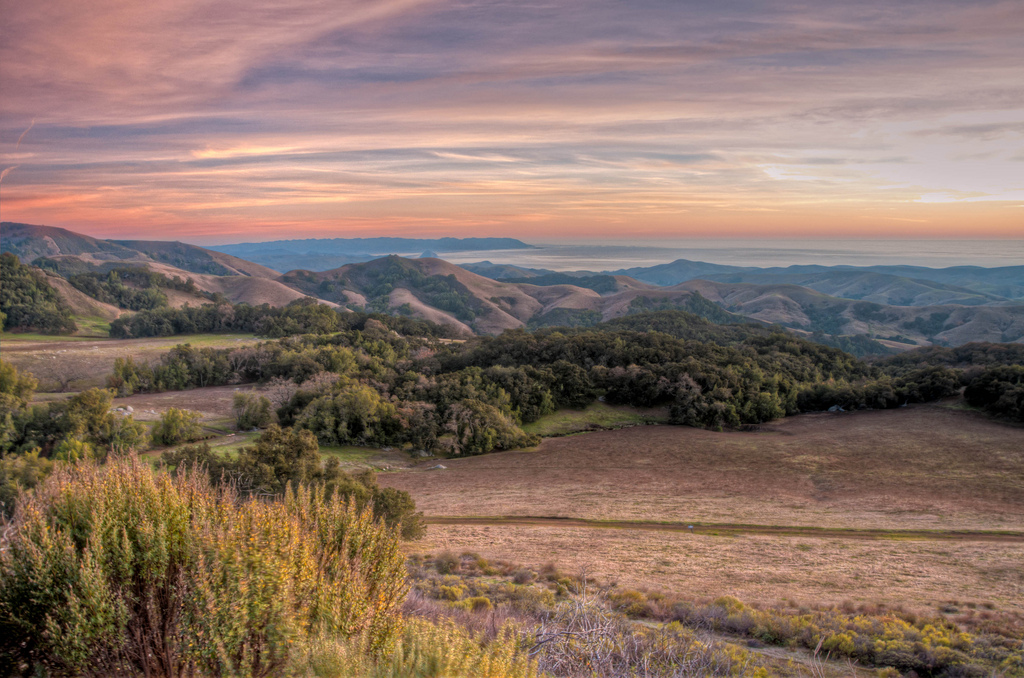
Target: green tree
{"x": 279, "y": 456}
{"x": 251, "y": 411}
{"x": 177, "y": 426}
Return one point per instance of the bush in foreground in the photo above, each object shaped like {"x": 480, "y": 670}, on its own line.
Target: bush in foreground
{"x": 117, "y": 570}
{"x": 423, "y": 649}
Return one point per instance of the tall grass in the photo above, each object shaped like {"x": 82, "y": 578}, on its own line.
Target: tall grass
{"x": 115, "y": 570}
{"x": 424, "y": 650}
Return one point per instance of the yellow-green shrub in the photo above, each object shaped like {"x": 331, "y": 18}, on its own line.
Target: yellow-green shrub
{"x": 475, "y": 604}
{"x": 423, "y": 649}
{"x": 115, "y": 569}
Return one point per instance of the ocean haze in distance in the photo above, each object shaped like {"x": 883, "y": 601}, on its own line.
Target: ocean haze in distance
{"x": 614, "y": 255}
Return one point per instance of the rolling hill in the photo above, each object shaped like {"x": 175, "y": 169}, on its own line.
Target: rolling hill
{"x": 899, "y": 311}
{"x": 803, "y": 308}
{"x": 29, "y": 242}
{"x": 896, "y": 285}
{"x": 436, "y": 290}
{"x": 68, "y": 252}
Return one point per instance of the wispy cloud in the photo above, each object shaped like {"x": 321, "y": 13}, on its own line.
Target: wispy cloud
{"x": 193, "y": 116}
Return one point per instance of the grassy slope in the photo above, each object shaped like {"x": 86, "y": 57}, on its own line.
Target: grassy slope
{"x": 596, "y": 417}
{"x": 922, "y": 467}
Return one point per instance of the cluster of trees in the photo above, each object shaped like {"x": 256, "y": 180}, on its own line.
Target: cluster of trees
{"x": 998, "y": 390}
{"x": 177, "y": 426}
{"x": 375, "y": 387}
{"x": 695, "y": 304}
{"x": 283, "y": 457}
{"x": 302, "y": 316}
{"x": 134, "y": 288}
{"x": 28, "y": 303}
{"x": 565, "y": 317}
{"x": 992, "y": 375}
{"x": 32, "y": 436}
{"x": 972, "y": 358}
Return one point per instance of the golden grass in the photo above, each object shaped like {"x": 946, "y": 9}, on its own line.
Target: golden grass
{"x": 921, "y": 575}
{"x": 91, "y": 360}
{"x": 916, "y": 468}
{"x": 923, "y": 467}
{"x": 597, "y": 416}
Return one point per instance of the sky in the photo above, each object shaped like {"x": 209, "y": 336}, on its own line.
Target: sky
{"x": 215, "y": 121}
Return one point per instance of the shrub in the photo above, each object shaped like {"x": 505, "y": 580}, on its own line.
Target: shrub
{"x": 19, "y": 472}
{"x": 251, "y": 411}
{"x": 423, "y": 649}
{"x": 177, "y": 426}
{"x": 446, "y": 563}
{"x": 116, "y": 570}
{"x": 476, "y": 604}
{"x": 523, "y": 576}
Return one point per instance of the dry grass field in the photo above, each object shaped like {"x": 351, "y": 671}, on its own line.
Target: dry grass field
{"x": 89, "y": 361}
{"x": 214, "y": 403}
{"x": 919, "y": 468}
{"x": 920, "y": 575}
{"x": 924, "y": 467}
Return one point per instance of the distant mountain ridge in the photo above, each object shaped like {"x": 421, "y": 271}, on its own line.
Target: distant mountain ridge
{"x": 894, "y": 307}
{"x": 321, "y": 254}
{"x": 900, "y": 285}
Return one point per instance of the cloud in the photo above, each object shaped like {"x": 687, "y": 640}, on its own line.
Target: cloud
{"x": 479, "y": 112}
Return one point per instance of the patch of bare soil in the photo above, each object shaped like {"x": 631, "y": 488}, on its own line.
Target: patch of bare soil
{"x": 213, "y": 403}
{"x": 734, "y": 529}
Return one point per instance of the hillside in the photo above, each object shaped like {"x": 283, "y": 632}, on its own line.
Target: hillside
{"x": 894, "y": 285}
{"x": 29, "y": 242}
{"x": 881, "y": 288}
{"x": 69, "y": 253}
{"x": 82, "y": 304}
{"x": 197, "y": 259}
{"x": 803, "y": 308}
{"x": 435, "y": 290}
{"x": 875, "y": 304}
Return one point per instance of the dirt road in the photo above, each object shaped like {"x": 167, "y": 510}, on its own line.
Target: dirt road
{"x": 725, "y": 529}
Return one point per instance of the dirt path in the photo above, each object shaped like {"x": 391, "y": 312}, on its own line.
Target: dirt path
{"x": 726, "y": 529}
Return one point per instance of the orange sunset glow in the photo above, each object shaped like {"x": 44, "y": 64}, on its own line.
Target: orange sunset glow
{"x": 214, "y": 122}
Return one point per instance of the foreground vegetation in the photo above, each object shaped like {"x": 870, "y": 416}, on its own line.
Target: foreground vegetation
{"x": 584, "y": 627}
{"x": 114, "y": 570}
{"x": 118, "y": 570}
{"x": 268, "y": 561}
